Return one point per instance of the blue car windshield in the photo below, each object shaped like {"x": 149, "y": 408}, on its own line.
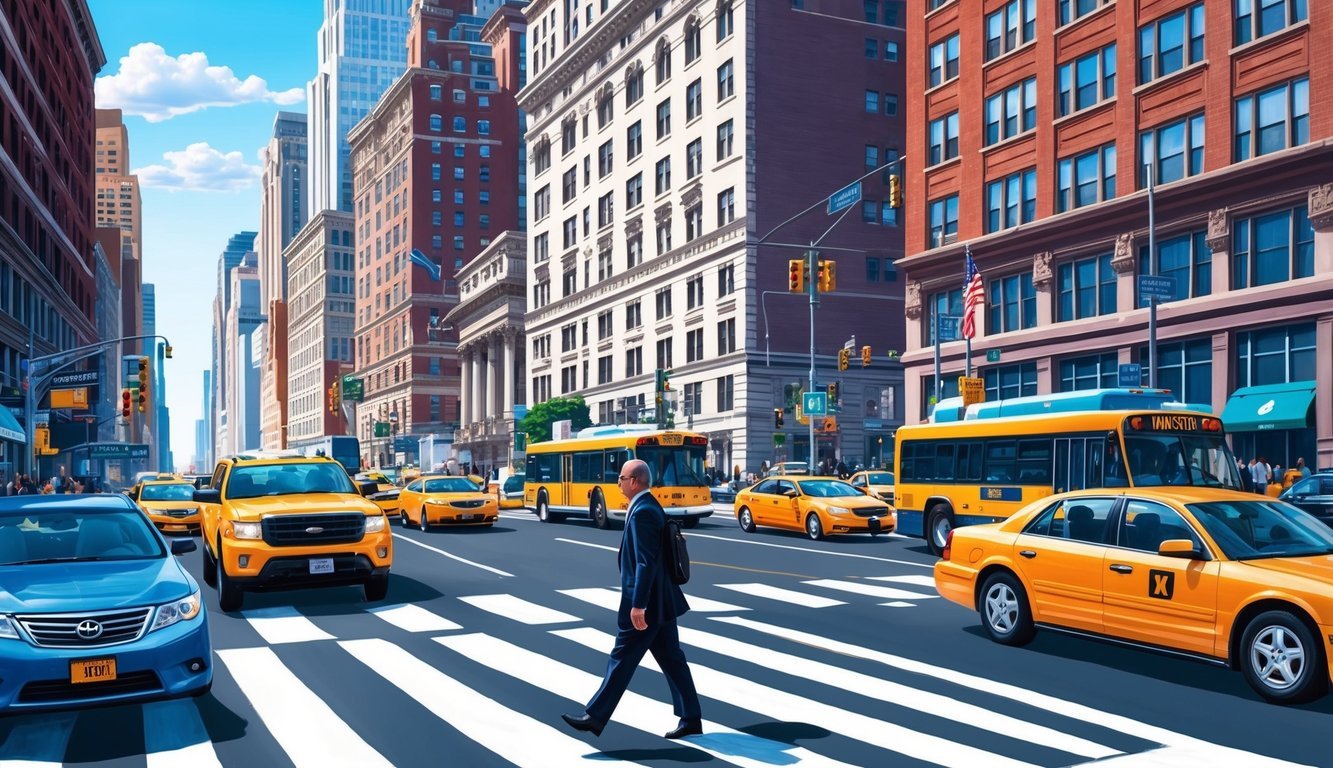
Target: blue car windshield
{"x": 71, "y": 534}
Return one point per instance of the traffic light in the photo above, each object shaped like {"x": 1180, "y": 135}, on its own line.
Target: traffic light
{"x": 141, "y": 363}
{"x": 865, "y": 356}
{"x": 827, "y": 275}
{"x": 844, "y": 358}
{"x": 125, "y": 403}
{"x": 796, "y": 276}
{"x": 335, "y": 396}
{"x": 833, "y": 393}
{"x": 777, "y": 418}
{"x": 895, "y": 191}
{"x": 666, "y": 380}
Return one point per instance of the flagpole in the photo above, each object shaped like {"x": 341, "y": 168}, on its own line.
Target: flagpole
{"x": 967, "y": 338}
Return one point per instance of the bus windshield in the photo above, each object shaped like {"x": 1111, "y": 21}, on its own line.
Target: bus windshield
{"x": 674, "y": 465}
{"x": 1176, "y": 459}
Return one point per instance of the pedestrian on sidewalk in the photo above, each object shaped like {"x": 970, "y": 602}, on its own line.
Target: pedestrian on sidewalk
{"x": 650, "y": 603}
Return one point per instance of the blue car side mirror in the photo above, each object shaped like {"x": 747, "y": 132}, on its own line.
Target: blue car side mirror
{"x": 181, "y": 546}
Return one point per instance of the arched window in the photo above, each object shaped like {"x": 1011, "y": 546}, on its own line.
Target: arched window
{"x": 663, "y": 62}
{"x": 605, "y": 106}
{"x": 725, "y": 22}
{"x": 633, "y": 85}
{"x": 693, "y": 40}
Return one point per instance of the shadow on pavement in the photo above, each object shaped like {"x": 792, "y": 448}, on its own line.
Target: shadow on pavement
{"x": 339, "y": 601}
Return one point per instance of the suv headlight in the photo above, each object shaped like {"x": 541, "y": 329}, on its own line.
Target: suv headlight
{"x": 177, "y": 610}
{"x": 7, "y": 629}
{"x": 247, "y": 530}
{"x": 376, "y": 524}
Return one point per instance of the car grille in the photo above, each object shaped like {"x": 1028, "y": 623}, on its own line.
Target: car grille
{"x": 62, "y": 630}
{"x": 323, "y": 528}
{"x": 871, "y": 511}
{"x": 179, "y": 512}
{"x": 63, "y": 690}
{"x": 468, "y": 503}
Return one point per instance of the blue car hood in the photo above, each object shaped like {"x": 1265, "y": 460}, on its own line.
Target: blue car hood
{"x": 92, "y": 586}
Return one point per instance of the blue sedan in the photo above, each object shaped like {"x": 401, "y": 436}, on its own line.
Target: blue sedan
{"x": 94, "y": 607}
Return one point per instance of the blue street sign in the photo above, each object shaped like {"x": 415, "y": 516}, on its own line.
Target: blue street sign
{"x": 845, "y": 198}
{"x": 1129, "y": 375}
{"x": 948, "y": 328}
{"x": 1157, "y": 286}
{"x": 814, "y": 403}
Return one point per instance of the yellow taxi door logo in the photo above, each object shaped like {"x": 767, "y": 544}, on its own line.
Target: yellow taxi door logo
{"x": 1161, "y": 584}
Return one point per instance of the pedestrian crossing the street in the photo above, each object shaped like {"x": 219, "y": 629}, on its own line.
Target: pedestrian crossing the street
{"x": 498, "y": 669}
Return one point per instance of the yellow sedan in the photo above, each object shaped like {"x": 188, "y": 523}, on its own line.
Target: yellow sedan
{"x": 877, "y": 482}
{"x": 445, "y": 500}
{"x": 1225, "y": 577}
{"x": 816, "y": 505}
{"x": 169, "y": 504}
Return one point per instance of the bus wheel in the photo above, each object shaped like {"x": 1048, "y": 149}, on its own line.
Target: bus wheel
{"x": 938, "y": 525}
{"x": 598, "y": 510}
{"x": 544, "y": 509}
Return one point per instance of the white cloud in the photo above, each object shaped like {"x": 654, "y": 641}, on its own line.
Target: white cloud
{"x": 200, "y": 167}
{"x": 158, "y": 87}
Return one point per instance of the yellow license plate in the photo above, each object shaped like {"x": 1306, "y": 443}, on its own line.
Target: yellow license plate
{"x": 92, "y": 670}
{"x": 672, "y": 439}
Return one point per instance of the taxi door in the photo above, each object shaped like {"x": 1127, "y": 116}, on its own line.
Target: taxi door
{"x": 1060, "y": 555}
{"x": 1165, "y": 601}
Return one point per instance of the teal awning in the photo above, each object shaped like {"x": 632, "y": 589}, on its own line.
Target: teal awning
{"x": 1272, "y": 406}
{"x": 9, "y": 427}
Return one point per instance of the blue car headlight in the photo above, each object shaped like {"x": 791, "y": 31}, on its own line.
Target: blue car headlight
{"x": 7, "y": 629}
{"x": 177, "y": 610}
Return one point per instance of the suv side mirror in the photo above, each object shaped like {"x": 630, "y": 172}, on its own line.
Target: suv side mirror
{"x": 208, "y": 495}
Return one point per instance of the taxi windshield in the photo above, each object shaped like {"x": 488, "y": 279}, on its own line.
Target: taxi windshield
{"x": 880, "y": 478}
{"x": 1248, "y": 530}
{"x": 167, "y": 492}
{"x": 828, "y": 489}
{"x": 248, "y": 482}
{"x": 72, "y": 534}
{"x": 449, "y": 485}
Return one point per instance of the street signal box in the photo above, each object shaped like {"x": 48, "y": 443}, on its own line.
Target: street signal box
{"x": 125, "y": 403}
{"x": 865, "y": 356}
{"x": 833, "y": 393}
{"x": 828, "y": 275}
{"x": 141, "y": 364}
{"x": 895, "y": 191}
{"x": 796, "y": 276}
{"x": 844, "y": 358}
{"x": 777, "y": 418}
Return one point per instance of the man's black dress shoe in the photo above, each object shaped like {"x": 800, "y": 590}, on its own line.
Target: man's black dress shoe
{"x": 687, "y": 728}
{"x": 585, "y": 723}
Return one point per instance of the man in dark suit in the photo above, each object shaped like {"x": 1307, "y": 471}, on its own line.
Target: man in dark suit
{"x": 649, "y": 605}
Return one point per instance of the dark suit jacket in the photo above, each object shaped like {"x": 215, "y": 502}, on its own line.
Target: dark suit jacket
{"x": 644, "y": 582}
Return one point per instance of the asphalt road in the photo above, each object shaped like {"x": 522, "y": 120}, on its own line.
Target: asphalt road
{"x": 820, "y": 653}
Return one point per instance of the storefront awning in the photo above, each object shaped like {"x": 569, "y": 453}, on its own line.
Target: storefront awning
{"x": 1272, "y": 406}
{"x": 9, "y": 427}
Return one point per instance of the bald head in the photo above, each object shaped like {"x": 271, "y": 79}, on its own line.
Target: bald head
{"x": 635, "y": 476}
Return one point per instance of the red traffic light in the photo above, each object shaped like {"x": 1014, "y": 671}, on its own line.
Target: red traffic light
{"x": 125, "y": 403}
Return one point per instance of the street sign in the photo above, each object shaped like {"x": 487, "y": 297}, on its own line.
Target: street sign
{"x": 845, "y": 198}
{"x": 814, "y": 403}
{"x": 381, "y": 429}
{"x": 1129, "y": 375}
{"x": 973, "y": 389}
{"x": 76, "y": 398}
{"x": 1157, "y": 287}
{"x": 76, "y": 379}
{"x": 405, "y": 443}
{"x": 992, "y": 355}
{"x": 353, "y": 389}
{"x": 948, "y": 328}
{"x": 117, "y": 450}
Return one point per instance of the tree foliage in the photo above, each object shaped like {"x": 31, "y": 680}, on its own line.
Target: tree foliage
{"x": 541, "y": 416}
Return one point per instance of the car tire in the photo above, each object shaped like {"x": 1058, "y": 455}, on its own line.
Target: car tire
{"x": 1282, "y": 659}
{"x": 745, "y": 519}
{"x": 402, "y": 518}
{"x": 230, "y": 596}
{"x": 813, "y": 527}
{"x": 210, "y": 568}
{"x": 690, "y": 522}
{"x": 938, "y": 524}
{"x": 375, "y": 588}
{"x": 544, "y": 509}
{"x": 423, "y": 523}
{"x": 1006, "y": 616}
{"x": 598, "y": 511}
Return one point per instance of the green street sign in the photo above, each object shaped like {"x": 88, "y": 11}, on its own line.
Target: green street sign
{"x": 992, "y": 355}
{"x": 354, "y": 390}
{"x": 381, "y": 429}
{"x": 117, "y": 451}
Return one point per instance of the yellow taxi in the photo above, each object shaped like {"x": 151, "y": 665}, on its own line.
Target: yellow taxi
{"x": 876, "y": 482}
{"x": 816, "y": 505}
{"x": 445, "y": 500}
{"x": 508, "y": 490}
{"x": 386, "y": 492}
{"x": 169, "y": 504}
{"x": 1230, "y": 578}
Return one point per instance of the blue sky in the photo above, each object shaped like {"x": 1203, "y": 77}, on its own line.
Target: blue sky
{"x": 200, "y": 82}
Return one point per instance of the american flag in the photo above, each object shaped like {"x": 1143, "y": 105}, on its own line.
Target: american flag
{"x": 974, "y": 295}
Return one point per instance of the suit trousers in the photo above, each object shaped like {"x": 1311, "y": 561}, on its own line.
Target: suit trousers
{"x": 662, "y": 639}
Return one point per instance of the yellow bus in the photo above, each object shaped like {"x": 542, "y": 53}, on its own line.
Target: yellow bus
{"x": 577, "y": 477}
{"x": 984, "y": 464}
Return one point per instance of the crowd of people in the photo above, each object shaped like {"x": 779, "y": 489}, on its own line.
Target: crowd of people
{"x": 1258, "y": 476}
{"x": 23, "y": 485}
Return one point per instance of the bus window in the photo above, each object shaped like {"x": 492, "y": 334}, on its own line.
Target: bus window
{"x": 543, "y": 467}
{"x": 944, "y": 468}
{"x": 1034, "y": 462}
{"x": 1000, "y": 461}
{"x": 969, "y": 462}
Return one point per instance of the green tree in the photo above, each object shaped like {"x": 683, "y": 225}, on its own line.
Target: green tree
{"x": 540, "y": 417}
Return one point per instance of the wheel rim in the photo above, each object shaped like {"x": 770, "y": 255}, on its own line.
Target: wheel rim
{"x": 746, "y": 522}
{"x": 402, "y": 517}
{"x": 423, "y": 523}
{"x": 542, "y": 512}
{"x": 1002, "y": 609}
{"x": 940, "y": 530}
{"x": 812, "y": 526}
{"x": 1278, "y": 657}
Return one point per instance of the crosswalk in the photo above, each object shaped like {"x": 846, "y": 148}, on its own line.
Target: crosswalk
{"x": 497, "y": 669}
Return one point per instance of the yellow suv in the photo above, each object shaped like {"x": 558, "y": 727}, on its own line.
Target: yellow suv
{"x": 280, "y": 522}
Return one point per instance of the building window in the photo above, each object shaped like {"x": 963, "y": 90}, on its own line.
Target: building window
{"x": 568, "y": 136}
{"x": 943, "y": 139}
{"x": 634, "y": 191}
{"x": 569, "y": 184}
{"x": 1175, "y": 150}
{"x": 1011, "y": 201}
{"x": 663, "y": 301}
{"x": 944, "y": 60}
{"x": 694, "y": 158}
{"x": 692, "y": 398}
{"x": 726, "y": 206}
{"x": 1271, "y": 16}
{"x": 541, "y": 245}
{"x": 1068, "y": 10}
{"x": 541, "y": 203}
{"x": 872, "y": 102}
{"x": 726, "y": 393}
{"x": 1275, "y": 355}
{"x": 604, "y": 373}
{"x": 634, "y": 140}
{"x": 724, "y": 132}
{"x": 694, "y": 292}
{"x": 569, "y": 379}
{"x": 569, "y": 282}
{"x": 890, "y": 51}
{"x": 605, "y": 159}
{"x": 662, "y": 176}
{"x": 663, "y": 236}
{"x": 664, "y": 353}
{"x": 1086, "y": 81}
{"x": 872, "y": 48}
{"x": 725, "y": 81}
{"x": 633, "y": 251}
{"x": 1006, "y": 381}
{"x": 726, "y": 280}
{"x": 633, "y": 86}
{"x": 1170, "y": 43}
{"x": 1011, "y": 111}
{"x": 943, "y": 221}
{"x": 541, "y": 294}
{"x": 693, "y": 41}
{"x": 1272, "y": 248}
{"x": 436, "y": 92}
{"x": 571, "y": 232}
{"x": 663, "y": 62}
{"x": 1011, "y": 26}
{"x": 436, "y": 123}
{"x": 633, "y": 315}
{"x": 1086, "y": 288}
{"x": 694, "y": 345}
{"x": 726, "y": 336}
{"x": 890, "y": 104}
{"x": 880, "y": 270}
{"x": 605, "y": 110}
{"x": 694, "y": 222}
{"x": 947, "y": 307}
{"x": 1187, "y": 259}
{"x": 633, "y": 362}
{"x": 484, "y": 127}
{"x": 1273, "y": 119}
{"x": 664, "y": 119}
{"x": 542, "y": 157}
{"x": 725, "y": 20}
{"x": 460, "y": 124}
{"x": 1011, "y": 304}
{"x": 1085, "y": 179}
{"x": 1090, "y": 372}
{"x": 694, "y": 100}
{"x": 606, "y": 209}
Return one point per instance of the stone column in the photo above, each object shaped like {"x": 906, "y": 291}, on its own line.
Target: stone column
{"x": 478, "y": 384}
{"x": 1125, "y": 265}
{"x": 1044, "y": 284}
{"x": 464, "y": 379}
{"x": 492, "y": 374}
{"x": 1219, "y": 242}
{"x": 510, "y": 361}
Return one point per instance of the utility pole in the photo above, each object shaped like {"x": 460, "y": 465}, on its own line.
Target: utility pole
{"x": 1152, "y": 270}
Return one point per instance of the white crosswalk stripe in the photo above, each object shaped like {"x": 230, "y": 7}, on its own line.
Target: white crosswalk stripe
{"x": 606, "y": 597}
{"x": 873, "y": 590}
{"x": 413, "y": 618}
{"x": 519, "y": 609}
{"x": 175, "y": 737}
{"x": 284, "y": 624}
{"x": 911, "y": 578}
{"x": 784, "y": 595}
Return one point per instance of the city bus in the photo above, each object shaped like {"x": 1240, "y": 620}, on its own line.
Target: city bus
{"x": 344, "y": 449}
{"x": 576, "y": 477}
{"x": 999, "y": 456}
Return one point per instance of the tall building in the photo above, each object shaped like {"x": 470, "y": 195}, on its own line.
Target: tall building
{"x": 238, "y": 246}
{"x": 244, "y": 326}
{"x": 436, "y": 167}
{"x": 320, "y": 309}
{"x": 119, "y": 206}
{"x": 673, "y": 148}
{"x": 203, "y": 458}
{"x": 107, "y": 405}
{"x": 47, "y": 256}
{"x": 1035, "y": 138}
{"x": 360, "y": 48}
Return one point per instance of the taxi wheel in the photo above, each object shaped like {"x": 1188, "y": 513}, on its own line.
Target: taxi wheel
{"x": 599, "y": 516}
{"x": 210, "y": 568}
{"x": 375, "y": 588}
{"x": 938, "y": 525}
{"x": 230, "y": 596}
{"x": 402, "y": 518}
{"x": 690, "y": 522}
{"x": 746, "y": 520}
{"x": 813, "y": 528}
{"x": 423, "y": 524}
{"x": 1005, "y": 614}
{"x": 1282, "y": 660}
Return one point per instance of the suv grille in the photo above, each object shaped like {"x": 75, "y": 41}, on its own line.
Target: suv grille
{"x": 86, "y": 630}
{"x": 322, "y": 528}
